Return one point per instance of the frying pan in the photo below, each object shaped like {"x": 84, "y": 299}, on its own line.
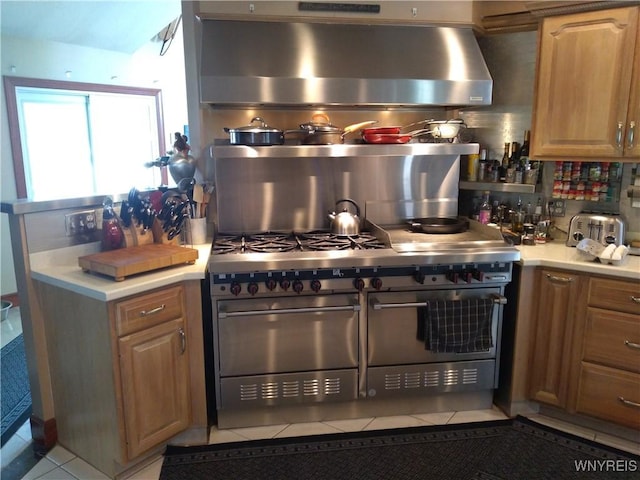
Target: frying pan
{"x": 393, "y": 137}
{"x": 439, "y": 225}
{"x": 394, "y": 130}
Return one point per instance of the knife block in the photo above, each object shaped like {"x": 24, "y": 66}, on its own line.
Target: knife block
{"x": 133, "y": 236}
{"x": 160, "y": 236}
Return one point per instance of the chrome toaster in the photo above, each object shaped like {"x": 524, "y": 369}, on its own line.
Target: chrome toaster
{"x": 603, "y": 228}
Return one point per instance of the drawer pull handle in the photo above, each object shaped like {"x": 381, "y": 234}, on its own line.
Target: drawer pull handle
{"x": 632, "y": 344}
{"x": 629, "y": 402}
{"x": 555, "y": 278}
{"x": 146, "y": 313}
{"x": 619, "y": 136}
{"x": 183, "y": 341}
{"x": 635, "y": 299}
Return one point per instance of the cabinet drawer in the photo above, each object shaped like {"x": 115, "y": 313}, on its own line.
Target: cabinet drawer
{"x": 615, "y": 295}
{"x": 609, "y": 394}
{"x": 612, "y": 338}
{"x": 148, "y": 310}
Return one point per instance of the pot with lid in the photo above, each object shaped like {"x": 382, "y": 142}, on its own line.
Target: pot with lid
{"x": 345, "y": 224}
{"x": 257, "y": 133}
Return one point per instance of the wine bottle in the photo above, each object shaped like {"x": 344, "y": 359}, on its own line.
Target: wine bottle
{"x": 485, "y": 209}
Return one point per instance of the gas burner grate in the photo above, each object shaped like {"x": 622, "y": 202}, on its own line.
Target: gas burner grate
{"x": 277, "y": 242}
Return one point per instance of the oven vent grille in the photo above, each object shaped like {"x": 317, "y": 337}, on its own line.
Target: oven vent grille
{"x": 289, "y": 388}
{"x": 435, "y": 377}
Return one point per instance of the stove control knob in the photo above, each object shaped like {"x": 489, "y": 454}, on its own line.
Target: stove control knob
{"x": 315, "y": 285}
{"x": 358, "y": 283}
{"x": 252, "y": 288}
{"x": 376, "y": 283}
{"x": 270, "y": 284}
{"x": 419, "y": 277}
{"x": 285, "y": 284}
{"x": 453, "y": 277}
{"x": 478, "y": 275}
{"x": 235, "y": 288}
{"x": 467, "y": 276}
{"x": 297, "y": 286}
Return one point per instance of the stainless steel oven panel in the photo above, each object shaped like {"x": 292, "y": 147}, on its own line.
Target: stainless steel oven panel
{"x": 383, "y": 382}
{"x": 392, "y": 328}
{"x": 288, "y": 389}
{"x": 287, "y": 334}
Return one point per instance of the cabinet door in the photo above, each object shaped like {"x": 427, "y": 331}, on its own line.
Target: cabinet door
{"x": 552, "y": 354}
{"x": 632, "y": 134}
{"x": 584, "y": 83}
{"x": 155, "y": 387}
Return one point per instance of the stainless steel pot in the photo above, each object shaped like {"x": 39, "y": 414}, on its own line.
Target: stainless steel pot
{"x": 321, "y": 132}
{"x": 257, "y": 133}
{"x": 447, "y": 129}
{"x": 345, "y": 224}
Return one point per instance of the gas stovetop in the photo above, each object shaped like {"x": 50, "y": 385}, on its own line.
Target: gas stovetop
{"x": 278, "y": 242}
{"x": 377, "y": 247}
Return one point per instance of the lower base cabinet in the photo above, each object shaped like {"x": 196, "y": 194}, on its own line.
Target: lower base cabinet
{"x": 586, "y": 353}
{"x": 609, "y": 394}
{"x": 122, "y": 372}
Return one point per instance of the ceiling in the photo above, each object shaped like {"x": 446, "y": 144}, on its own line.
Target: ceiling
{"x": 121, "y": 26}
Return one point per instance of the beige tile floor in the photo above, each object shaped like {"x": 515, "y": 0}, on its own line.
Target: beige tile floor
{"x": 59, "y": 464}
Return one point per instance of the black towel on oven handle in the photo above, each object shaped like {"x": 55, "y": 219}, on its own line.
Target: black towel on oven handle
{"x": 457, "y": 326}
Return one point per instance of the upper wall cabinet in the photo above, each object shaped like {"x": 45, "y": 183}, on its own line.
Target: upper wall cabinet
{"x": 588, "y": 86}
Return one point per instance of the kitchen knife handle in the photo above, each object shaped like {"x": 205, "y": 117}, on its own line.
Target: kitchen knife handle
{"x": 619, "y": 136}
{"x": 146, "y": 313}
{"x": 183, "y": 340}
{"x": 631, "y": 135}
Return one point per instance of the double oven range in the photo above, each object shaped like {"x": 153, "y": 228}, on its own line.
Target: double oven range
{"x": 311, "y": 326}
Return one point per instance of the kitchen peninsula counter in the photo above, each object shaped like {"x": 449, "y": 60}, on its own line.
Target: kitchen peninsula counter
{"x": 558, "y": 255}
{"x": 60, "y": 268}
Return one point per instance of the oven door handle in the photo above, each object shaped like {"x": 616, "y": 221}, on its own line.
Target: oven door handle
{"x": 279, "y": 311}
{"x": 375, "y": 303}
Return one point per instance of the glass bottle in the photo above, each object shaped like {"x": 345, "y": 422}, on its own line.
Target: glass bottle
{"x": 484, "y": 216}
{"x": 505, "y": 163}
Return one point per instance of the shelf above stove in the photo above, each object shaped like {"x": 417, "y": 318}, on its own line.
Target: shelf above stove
{"x": 223, "y": 149}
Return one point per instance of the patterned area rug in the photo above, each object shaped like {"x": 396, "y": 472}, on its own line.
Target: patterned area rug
{"x": 14, "y": 388}
{"x": 500, "y": 450}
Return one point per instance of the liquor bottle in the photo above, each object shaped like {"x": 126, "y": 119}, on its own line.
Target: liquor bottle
{"x": 483, "y": 173}
{"x": 505, "y": 163}
{"x": 485, "y": 209}
{"x": 523, "y": 154}
{"x": 514, "y": 154}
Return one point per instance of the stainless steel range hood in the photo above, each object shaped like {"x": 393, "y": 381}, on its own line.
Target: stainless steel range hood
{"x": 277, "y": 63}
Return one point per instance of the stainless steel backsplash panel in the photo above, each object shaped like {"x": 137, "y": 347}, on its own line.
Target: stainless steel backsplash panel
{"x": 297, "y": 192}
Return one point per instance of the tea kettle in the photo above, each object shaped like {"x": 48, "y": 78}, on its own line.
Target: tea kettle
{"x": 344, "y": 223}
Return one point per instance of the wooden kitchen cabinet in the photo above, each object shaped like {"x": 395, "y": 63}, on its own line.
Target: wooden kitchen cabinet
{"x": 127, "y": 375}
{"x": 153, "y": 365}
{"x": 587, "y": 100}
{"x": 560, "y": 297}
{"x": 609, "y": 374}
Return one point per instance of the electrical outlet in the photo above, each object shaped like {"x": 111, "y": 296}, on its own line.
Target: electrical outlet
{"x": 80, "y": 223}
{"x": 557, "y": 208}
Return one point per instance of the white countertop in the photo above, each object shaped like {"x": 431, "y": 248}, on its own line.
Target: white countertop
{"x": 558, "y": 255}
{"x": 60, "y": 268}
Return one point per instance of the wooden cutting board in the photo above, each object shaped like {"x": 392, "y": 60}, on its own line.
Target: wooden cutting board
{"x": 132, "y": 260}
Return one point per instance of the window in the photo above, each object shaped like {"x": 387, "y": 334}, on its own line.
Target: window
{"x": 74, "y": 139}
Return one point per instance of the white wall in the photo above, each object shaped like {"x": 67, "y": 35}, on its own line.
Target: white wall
{"x": 50, "y": 60}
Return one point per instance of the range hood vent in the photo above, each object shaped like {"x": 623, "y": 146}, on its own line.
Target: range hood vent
{"x": 249, "y": 63}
